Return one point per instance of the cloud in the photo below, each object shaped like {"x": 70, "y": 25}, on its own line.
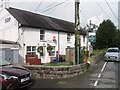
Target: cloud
{"x": 96, "y": 19}
{"x": 39, "y": 0}
{"x": 99, "y": 0}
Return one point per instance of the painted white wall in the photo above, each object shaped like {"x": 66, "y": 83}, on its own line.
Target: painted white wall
{"x": 31, "y": 37}
{"x": 9, "y": 30}
{"x": 72, "y": 41}
{"x": 83, "y": 43}
{"x": 62, "y": 42}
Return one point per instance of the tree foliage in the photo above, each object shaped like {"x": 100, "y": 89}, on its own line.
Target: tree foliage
{"x": 117, "y": 40}
{"x": 106, "y": 35}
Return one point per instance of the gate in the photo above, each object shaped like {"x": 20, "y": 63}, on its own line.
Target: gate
{"x": 70, "y": 55}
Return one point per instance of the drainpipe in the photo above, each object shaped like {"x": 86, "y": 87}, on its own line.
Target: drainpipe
{"x": 58, "y": 46}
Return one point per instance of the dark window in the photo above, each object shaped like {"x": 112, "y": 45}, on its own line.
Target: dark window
{"x": 68, "y": 37}
{"x": 84, "y": 38}
{"x": 113, "y": 50}
{"x": 42, "y": 35}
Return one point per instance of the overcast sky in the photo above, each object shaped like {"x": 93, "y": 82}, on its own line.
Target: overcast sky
{"x": 94, "y": 10}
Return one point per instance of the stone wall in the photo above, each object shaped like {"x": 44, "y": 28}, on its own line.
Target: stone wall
{"x": 52, "y": 72}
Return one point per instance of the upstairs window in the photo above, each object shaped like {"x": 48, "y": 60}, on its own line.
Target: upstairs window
{"x": 31, "y": 50}
{"x": 84, "y": 39}
{"x": 68, "y": 37}
{"x": 42, "y": 35}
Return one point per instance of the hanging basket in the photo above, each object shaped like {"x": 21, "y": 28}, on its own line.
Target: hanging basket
{"x": 39, "y": 49}
{"x": 49, "y": 48}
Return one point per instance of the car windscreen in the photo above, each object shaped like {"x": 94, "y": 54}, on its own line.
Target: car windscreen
{"x": 4, "y": 62}
{"x": 112, "y": 50}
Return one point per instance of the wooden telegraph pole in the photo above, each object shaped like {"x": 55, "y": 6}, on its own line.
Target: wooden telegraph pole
{"x": 77, "y": 33}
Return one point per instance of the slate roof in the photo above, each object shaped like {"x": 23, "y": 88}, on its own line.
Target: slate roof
{"x": 34, "y": 20}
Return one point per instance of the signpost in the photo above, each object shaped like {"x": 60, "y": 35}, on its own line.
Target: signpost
{"x": 92, "y": 38}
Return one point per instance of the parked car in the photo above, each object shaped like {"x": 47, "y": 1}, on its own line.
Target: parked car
{"x": 112, "y": 54}
{"x": 13, "y": 77}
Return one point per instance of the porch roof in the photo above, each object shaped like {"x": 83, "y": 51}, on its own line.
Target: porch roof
{"x": 8, "y": 42}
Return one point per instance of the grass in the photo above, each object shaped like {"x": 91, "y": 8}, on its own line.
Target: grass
{"x": 98, "y": 51}
{"x": 57, "y": 64}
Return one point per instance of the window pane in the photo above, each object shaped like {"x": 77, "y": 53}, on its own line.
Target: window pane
{"x": 51, "y": 53}
{"x": 33, "y": 53}
{"x": 83, "y": 38}
{"x": 68, "y": 37}
{"x": 42, "y": 32}
{"x": 28, "y": 53}
{"x": 28, "y": 48}
{"x": 42, "y": 37}
{"x": 33, "y": 48}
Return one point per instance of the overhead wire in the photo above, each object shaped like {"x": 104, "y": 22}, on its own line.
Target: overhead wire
{"x": 39, "y": 6}
{"x": 54, "y": 6}
{"x": 102, "y": 9}
{"x": 111, "y": 10}
{"x": 49, "y": 6}
{"x": 112, "y": 13}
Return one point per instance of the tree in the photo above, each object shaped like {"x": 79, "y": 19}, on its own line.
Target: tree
{"x": 91, "y": 27}
{"x": 117, "y": 39}
{"x": 106, "y": 35}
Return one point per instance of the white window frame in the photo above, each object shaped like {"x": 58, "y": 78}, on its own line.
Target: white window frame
{"x": 42, "y": 34}
{"x": 31, "y": 51}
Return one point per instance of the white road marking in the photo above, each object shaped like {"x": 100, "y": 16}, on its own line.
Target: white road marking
{"x": 96, "y": 82}
{"x": 104, "y": 66}
{"x": 99, "y": 76}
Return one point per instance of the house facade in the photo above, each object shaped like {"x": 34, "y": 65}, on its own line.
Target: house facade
{"x": 39, "y": 35}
